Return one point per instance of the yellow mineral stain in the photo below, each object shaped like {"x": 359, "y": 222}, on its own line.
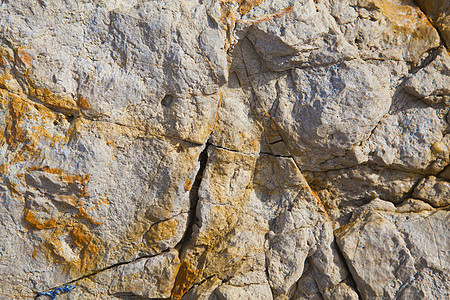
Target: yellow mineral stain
{"x": 185, "y": 277}
{"x": 12, "y": 187}
{"x": 14, "y": 134}
{"x": 4, "y": 168}
{"x": 89, "y": 255}
{"x": 24, "y": 57}
{"x": 65, "y": 103}
{"x": 6, "y": 54}
{"x": 5, "y": 76}
{"x": 24, "y": 126}
{"x": 83, "y": 103}
{"x": 80, "y": 236}
{"x": 217, "y": 111}
{"x": 161, "y": 232}
{"x": 188, "y": 184}
{"x": 86, "y": 248}
{"x": 246, "y": 5}
{"x": 84, "y": 215}
{"x": 405, "y": 16}
{"x": 228, "y": 21}
{"x": 33, "y": 221}
{"x": 64, "y": 176}
{"x": 23, "y": 141}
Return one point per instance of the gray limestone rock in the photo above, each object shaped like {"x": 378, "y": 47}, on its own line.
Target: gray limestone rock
{"x": 382, "y": 245}
{"x": 432, "y": 83}
{"x": 434, "y": 191}
{"x": 213, "y": 149}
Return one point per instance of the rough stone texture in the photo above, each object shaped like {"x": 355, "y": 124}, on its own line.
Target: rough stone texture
{"x": 434, "y": 191}
{"x": 212, "y": 149}
{"x": 432, "y": 83}
{"x": 392, "y": 253}
{"x": 439, "y": 12}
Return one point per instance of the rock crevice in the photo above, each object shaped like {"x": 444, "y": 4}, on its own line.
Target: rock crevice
{"x": 266, "y": 149}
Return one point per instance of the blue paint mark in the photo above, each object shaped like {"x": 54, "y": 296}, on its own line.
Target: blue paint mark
{"x": 53, "y": 293}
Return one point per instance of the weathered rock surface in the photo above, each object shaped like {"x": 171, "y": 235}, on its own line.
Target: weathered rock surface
{"x": 439, "y": 12}
{"x": 241, "y": 149}
{"x": 391, "y": 252}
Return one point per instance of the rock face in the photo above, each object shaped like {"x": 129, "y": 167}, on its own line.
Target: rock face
{"x": 241, "y": 149}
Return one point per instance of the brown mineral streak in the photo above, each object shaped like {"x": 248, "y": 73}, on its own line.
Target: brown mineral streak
{"x": 86, "y": 244}
{"x": 406, "y": 17}
{"x": 24, "y": 57}
{"x": 85, "y": 241}
{"x": 160, "y": 232}
{"x": 184, "y": 280}
{"x": 246, "y": 5}
{"x": 188, "y": 185}
{"x": 217, "y": 112}
{"x": 270, "y": 17}
{"x": 33, "y": 221}
{"x": 65, "y": 176}
{"x": 83, "y": 103}
{"x": 65, "y": 103}
{"x": 23, "y": 143}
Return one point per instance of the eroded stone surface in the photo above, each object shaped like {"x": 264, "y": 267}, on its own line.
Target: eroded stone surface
{"x": 438, "y": 11}
{"x": 242, "y": 149}
{"x": 432, "y": 82}
{"x": 434, "y": 191}
{"x": 397, "y": 245}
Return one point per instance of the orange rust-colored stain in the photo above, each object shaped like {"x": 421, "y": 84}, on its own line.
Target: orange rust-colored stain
{"x": 65, "y": 176}
{"x": 64, "y": 103}
{"x": 103, "y": 201}
{"x": 7, "y": 54}
{"x": 185, "y": 277}
{"x": 83, "y": 103}
{"x": 276, "y": 15}
{"x": 12, "y": 187}
{"x": 24, "y": 57}
{"x": 33, "y": 221}
{"x": 80, "y": 237}
{"x": 4, "y": 168}
{"x": 316, "y": 195}
{"x": 24, "y": 126}
{"x": 4, "y": 78}
{"x": 217, "y": 112}
{"x": 246, "y": 5}
{"x": 228, "y": 21}
{"x": 406, "y": 17}
{"x": 22, "y": 141}
{"x": 89, "y": 256}
{"x": 84, "y": 215}
{"x": 83, "y": 192}
{"x": 188, "y": 185}
{"x": 14, "y": 134}
{"x": 86, "y": 245}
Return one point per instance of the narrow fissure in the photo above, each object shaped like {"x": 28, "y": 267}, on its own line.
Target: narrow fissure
{"x": 351, "y": 280}
{"x": 105, "y": 269}
{"x": 193, "y": 199}
{"x": 192, "y": 216}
